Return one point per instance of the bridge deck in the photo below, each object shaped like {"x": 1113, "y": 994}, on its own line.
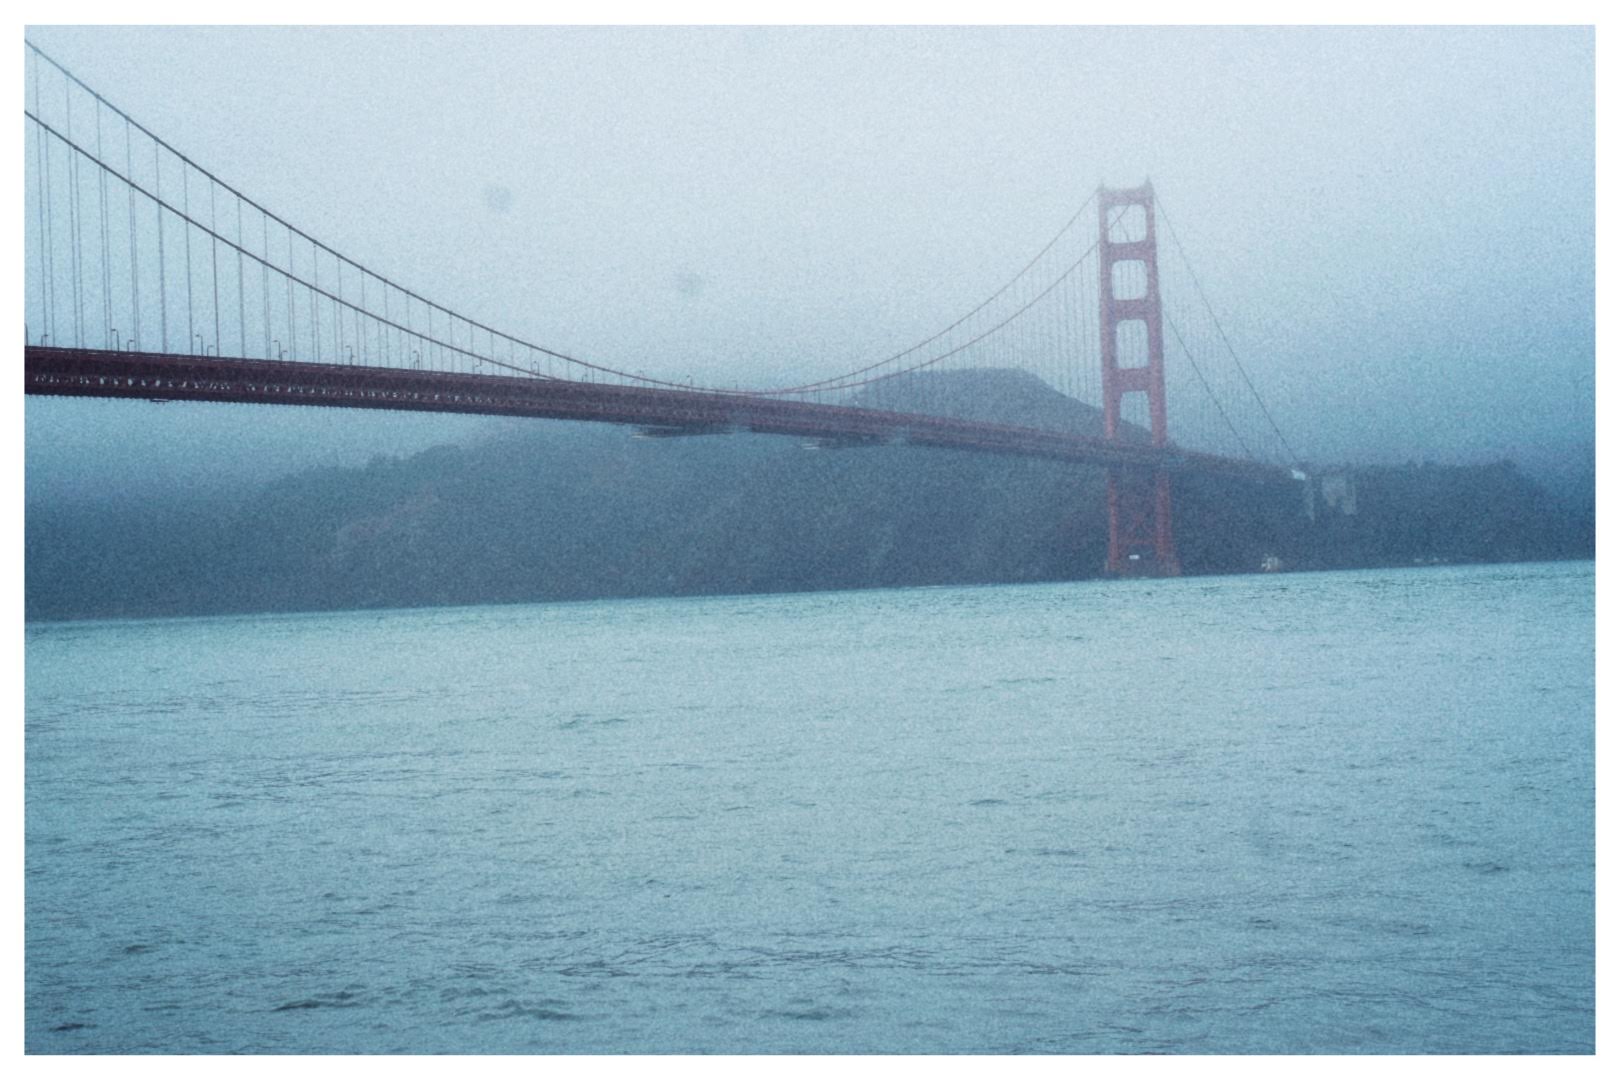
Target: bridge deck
{"x": 157, "y": 376}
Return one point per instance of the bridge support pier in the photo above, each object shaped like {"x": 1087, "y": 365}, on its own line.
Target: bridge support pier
{"x": 1139, "y": 540}
{"x": 1139, "y": 533}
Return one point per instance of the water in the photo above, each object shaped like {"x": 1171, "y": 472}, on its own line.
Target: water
{"x": 1298, "y": 813}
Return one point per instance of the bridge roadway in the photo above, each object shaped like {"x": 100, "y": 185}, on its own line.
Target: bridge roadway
{"x": 69, "y": 372}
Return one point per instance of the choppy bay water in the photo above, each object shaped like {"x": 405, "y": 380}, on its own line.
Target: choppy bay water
{"x": 1298, "y": 813}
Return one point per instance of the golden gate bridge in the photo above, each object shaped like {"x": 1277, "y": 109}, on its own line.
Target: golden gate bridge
{"x": 149, "y": 277}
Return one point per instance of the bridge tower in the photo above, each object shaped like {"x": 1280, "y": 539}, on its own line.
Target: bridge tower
{"x": 1139, "y": 538}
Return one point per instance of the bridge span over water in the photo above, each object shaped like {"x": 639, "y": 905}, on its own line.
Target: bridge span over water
{"x": 148, "y": 277}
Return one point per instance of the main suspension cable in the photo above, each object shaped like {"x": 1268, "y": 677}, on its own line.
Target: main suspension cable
{"x": 1293, "y": 457}
{"x": 843, "y": 380}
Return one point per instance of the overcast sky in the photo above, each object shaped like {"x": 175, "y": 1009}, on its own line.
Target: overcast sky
{"x": 1396, "y": 225}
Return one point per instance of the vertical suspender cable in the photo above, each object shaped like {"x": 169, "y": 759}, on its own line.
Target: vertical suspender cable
{"x": 213, "y": 270}
{"x": 42, "y": 166}
{"x": 73, "y": 223}
{"x": 106, "y": 268}
{"x": 241, "y": 293}
{"x": 264, "y": 281}
{"x": 157, "y": 211}
{"x": 291, "y": 340}
{"x": 134, "y": 247}
{"x": 314, "y": 303}
{"x": 185, "y": 222}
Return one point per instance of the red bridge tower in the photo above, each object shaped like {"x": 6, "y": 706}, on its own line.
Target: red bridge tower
{"x": 1139, "y": 540}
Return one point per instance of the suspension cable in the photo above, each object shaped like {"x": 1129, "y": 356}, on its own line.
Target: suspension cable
{"x": 1294, "y": 458}
{"x": 1205, "y": 383}
{"x": 831, "y": 383}
{"x": 822, "y": 384}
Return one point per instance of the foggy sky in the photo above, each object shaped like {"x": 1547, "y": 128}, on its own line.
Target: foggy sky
{"x": 1395, "y": 225}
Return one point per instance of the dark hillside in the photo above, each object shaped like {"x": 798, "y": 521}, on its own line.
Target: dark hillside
{"x": 555, "y": 511}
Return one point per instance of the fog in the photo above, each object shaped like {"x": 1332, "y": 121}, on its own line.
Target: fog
{"x": 1396, "y": 226}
